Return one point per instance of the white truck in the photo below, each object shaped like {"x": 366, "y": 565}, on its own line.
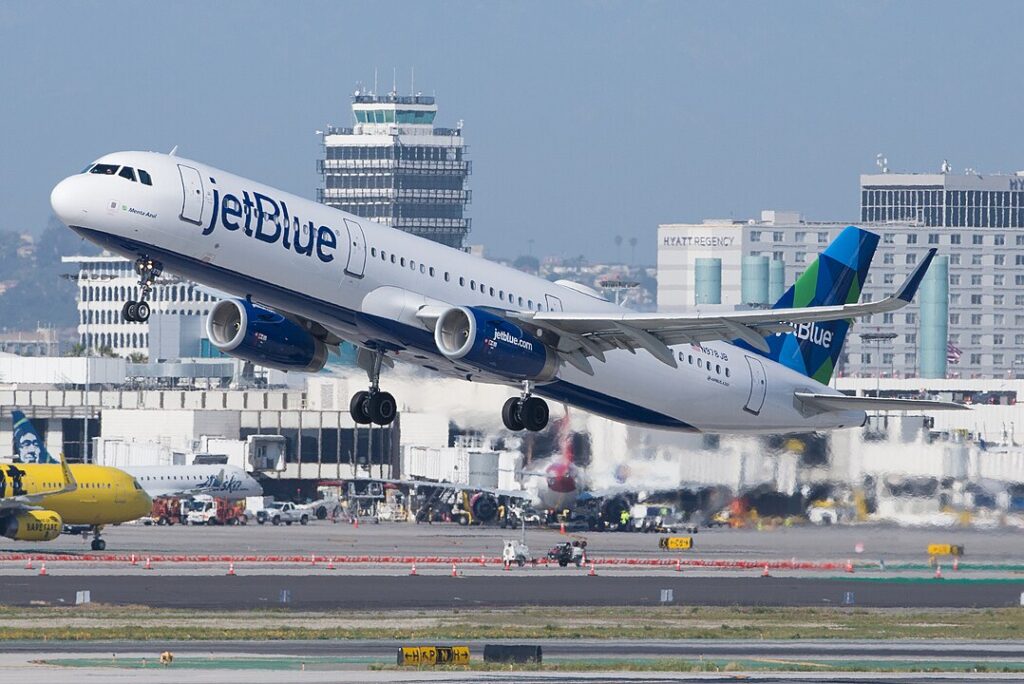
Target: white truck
{"x": 282, "y": 512}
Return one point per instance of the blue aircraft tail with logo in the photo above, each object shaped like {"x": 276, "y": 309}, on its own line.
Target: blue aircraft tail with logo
{"x": 28, "y": 444}
{"x": 835, "y": 278}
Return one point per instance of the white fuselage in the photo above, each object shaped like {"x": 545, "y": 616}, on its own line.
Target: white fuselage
{"x": 366, "y": 282}
{"x": 220, "y": 481}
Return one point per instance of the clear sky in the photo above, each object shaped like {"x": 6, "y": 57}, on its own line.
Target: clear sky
{"x": 584, "y": 119}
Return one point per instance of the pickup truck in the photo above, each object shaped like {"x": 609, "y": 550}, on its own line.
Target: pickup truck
{"x": 282, "y": 512}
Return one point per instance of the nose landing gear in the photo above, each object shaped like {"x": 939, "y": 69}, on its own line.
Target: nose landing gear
{"x": 373, "y": 405}
{"x": 148, "y": 271}
{"x": 526, "y": 412}
{"x": 98, "y": 544}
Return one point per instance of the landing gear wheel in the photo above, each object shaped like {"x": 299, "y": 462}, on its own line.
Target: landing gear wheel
{"x": 129, "y": 311}
{"x": 382, "y": 408}
{"x": 142, "y": 312}
{"x": 358, "y": 408}
{"x": 534, "y": 414}
{"x": 510, "y": 415}
{"x": 99, "y": 545}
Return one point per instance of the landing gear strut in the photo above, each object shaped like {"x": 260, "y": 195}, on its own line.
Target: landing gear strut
{"x": 98, "y": 544}
{"x": 525, "y": 412}
{"x": 373, "y": 405}
{"x": 148, "y": 271}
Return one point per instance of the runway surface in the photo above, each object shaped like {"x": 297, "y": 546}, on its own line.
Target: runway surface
{"x": 375, "y": 592}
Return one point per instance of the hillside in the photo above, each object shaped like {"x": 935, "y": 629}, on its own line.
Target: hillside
{"x": 34, "y": 293}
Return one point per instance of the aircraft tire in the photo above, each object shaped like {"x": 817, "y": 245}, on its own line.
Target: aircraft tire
{"x": 142, "y": 312}
{"x": 511, "y": 415}
{"x": 99, "y": 545}
{"x": 358, "y": 408}
{"x": 128, "y": 311}
{"x": 382, "y": 408}
{"x": 534, "y": 414}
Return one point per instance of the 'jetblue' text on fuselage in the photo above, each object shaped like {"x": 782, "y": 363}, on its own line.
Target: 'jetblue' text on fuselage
{"x": 272, "y": 224}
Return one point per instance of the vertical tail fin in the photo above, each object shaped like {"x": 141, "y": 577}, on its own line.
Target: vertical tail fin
{"x": 28, "y": 445}
{"x": 836, "y": 277}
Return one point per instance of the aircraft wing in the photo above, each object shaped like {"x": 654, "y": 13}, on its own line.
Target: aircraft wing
{"x": 31, "y": 501}
{"x": 821, "y": 403}
{"x": 583, "y": 335}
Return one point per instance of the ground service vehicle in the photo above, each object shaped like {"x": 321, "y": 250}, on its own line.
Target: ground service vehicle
{"x": 567, "y": 552}
{"x": 516, "y": 552}
{"x": 167, "y": 511}
{"x": 282, "y": 512}
{"x": 206, "y": 510}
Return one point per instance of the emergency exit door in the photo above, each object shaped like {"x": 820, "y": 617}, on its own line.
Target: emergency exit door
{"x": 192, "y": 195}
{"x": 758, "y": 386}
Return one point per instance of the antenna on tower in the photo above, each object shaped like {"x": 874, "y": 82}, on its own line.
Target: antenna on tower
{"x": 882, "y": 163}
{"x": 412, "y": 80}
{"x": 394, "y": 80}
{"x": 374, "y": 81}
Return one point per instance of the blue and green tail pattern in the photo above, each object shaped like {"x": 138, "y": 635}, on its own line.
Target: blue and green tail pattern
{"x": 836, "y": 278}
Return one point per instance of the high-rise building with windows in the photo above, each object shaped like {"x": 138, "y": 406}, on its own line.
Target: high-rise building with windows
{"x": 945, "y": 200}
{"x": 394, "y": 167}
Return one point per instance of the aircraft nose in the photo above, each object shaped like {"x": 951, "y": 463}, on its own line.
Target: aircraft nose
{"x": 65, "y": 200}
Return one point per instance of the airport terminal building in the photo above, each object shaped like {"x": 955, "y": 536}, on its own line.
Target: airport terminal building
{"x": 973, "y": 322}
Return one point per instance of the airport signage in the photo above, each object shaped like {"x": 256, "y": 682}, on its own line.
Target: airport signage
{"x": 697, "y": 241}
{"x": 419, "y": 656}
{"x": 945, "y": 550}
{"x": 676, "y": 543}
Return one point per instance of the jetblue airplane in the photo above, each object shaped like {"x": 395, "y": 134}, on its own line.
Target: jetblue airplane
{"x": 222, "y": 481}
{"x": 308, "y": 277}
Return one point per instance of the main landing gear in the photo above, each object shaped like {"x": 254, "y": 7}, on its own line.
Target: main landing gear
{"x": 98, "y": 544}
{"x": 373, "y": 405}
{"x": 148, "y": 271}
{"x": 525, "y": 412}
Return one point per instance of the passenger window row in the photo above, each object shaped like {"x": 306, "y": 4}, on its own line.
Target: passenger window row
{"x": 126, "y": 172}
{"x": 715, "y": 368}
{"x": 500, "y": 295}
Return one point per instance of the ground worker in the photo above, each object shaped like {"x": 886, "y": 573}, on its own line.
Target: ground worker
{"x": 624, "y": 521}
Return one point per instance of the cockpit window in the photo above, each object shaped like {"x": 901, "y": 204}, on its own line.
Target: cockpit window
{"x": 127, "y": 172}
{"x": 104, "y": 169}
{"x": 144, "y": 177}
{"x": 137, "y": 485}
{"x": 86, "y": 169}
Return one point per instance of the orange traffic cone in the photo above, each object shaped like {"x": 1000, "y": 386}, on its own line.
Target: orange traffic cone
{"x": 455, "y": 571}
{"x": 134, "y": 560}
{"x": 413, "y": 571}
{"x": 28, "y": 565}
{"x": 231, "y": 569}
{"x": 679, "y": 565}
{"x": 765, "y": 573}
{"x": 330, "y": 564}
{"x": 849, "y": 565}
{"x": 561, "y": 527}
{"x": 956, "y": 564}
{"x": 42, "y": 570}
{"x": 938, "y": 571}
{"x": 312, "y": 559}
{"x": 148, "y": 565}
{"x": 593, "y": 572}
{"x": 508, "y": 566}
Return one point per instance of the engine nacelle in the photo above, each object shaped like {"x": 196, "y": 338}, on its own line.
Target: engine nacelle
{"x": 240, "y": 328}
{"x": 33, "y": 526}
{"x": 484, "y": 506}
{"x": 486, "y": 341}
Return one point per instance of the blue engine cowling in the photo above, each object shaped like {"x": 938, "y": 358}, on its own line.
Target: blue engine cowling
{"x": 240, "y": 328}
{"x": 486, "y": 341}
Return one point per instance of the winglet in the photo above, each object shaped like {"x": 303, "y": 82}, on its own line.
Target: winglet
{"x": 70, "y": 484}
{"x": 909, "y": 287}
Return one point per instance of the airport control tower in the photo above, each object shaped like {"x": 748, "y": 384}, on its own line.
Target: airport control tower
{"x": 394, "y": 167}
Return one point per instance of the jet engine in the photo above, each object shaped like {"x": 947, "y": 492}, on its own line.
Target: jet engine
{"x": 484, "y": 506}
{"x": 33, "y": 526}
{"x": 240, "y": 328}
{"x": 487, "y": 341}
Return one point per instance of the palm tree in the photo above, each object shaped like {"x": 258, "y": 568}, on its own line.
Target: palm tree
{"x": 618, "y": 249}
{"x": 632, "y": 251}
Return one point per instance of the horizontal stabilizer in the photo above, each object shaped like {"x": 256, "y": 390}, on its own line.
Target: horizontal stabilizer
{"x": 821, "y": 403}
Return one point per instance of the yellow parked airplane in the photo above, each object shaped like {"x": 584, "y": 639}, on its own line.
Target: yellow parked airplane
{"x": 38, "y": 500}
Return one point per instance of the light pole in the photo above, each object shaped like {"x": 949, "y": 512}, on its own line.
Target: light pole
{"x": 878, "y": 338}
